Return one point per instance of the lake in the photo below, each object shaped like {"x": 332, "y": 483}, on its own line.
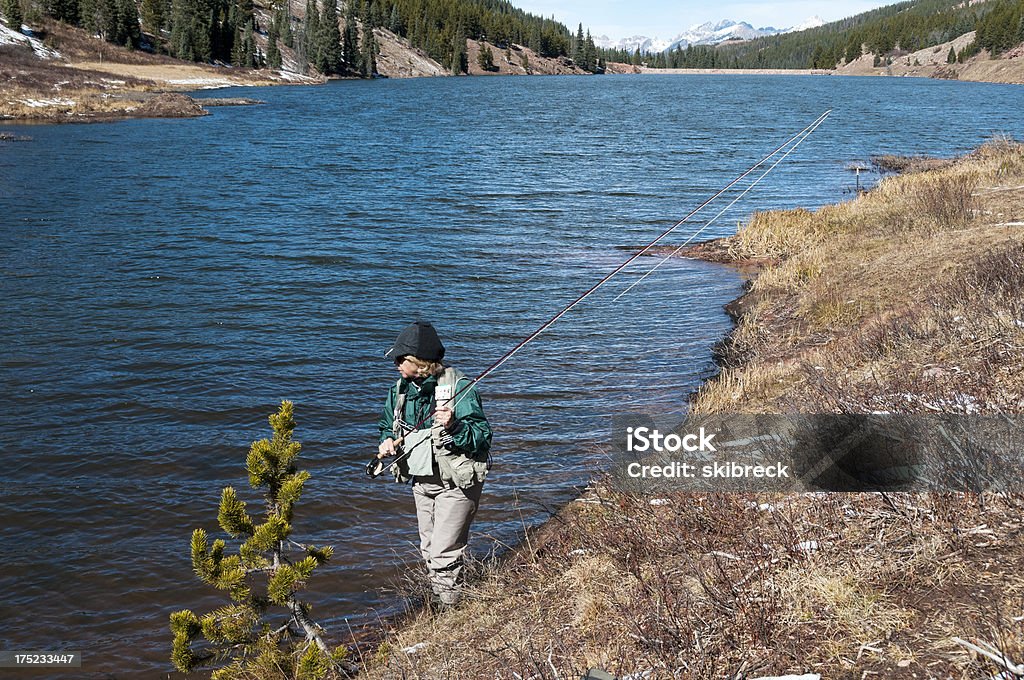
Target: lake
{"x": 166, "y": 283}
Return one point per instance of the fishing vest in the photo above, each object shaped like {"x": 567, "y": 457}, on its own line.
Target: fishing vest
{"x": 462, "y": 468}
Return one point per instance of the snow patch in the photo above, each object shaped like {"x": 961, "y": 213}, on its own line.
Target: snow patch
{"x": 9, "y": 37}
{"x": 45, "y": 103}
{"x": 294, "y": 77}
{"x": 415, "y": 648}
{"x": 812, "y": 22}
{"x": 203, "y": 83}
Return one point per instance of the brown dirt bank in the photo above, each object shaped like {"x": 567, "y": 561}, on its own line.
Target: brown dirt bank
{"x": 906, "y": 299}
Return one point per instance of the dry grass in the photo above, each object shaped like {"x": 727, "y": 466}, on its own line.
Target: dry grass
{"x": 904, "y": 299}
{"x": 725, "y": 586}
{"x": 31, "y": 88}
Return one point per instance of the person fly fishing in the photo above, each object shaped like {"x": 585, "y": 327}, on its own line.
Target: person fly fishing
{"x": 434, "y": 423}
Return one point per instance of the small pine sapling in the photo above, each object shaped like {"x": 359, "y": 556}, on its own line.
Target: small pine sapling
{"x": 244, "y": 632}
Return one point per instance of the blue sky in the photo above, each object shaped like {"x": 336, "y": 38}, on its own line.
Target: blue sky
{"x": 668, "y": 18}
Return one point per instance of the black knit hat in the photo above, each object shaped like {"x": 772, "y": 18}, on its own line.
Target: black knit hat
{"x": 420, "y": 340}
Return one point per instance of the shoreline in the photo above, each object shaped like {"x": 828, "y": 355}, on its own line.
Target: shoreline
{"x": 118, "y": 84}
{"x": 93, "y": 108}
{"x": 746, "y": 585}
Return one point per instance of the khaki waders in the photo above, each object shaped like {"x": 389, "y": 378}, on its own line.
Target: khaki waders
{"x": 444, "y": 513}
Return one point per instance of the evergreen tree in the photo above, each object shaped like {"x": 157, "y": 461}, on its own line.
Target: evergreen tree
{"x": 534, "y": 41}
{"x": 242, "y": 631}
{"x": 589, "y": 54}
{"x": 376, "y": 15}
{"x": 301, "y": 58}
{"x": 368, "y": 52}
{"x": 817, "y": 58}
{"x": 127, "y": 31}
{"x": 485, "y": 59}
{"x": 181, "y": 42}
{"x": 350, "y": 39}
{"x": 577, "y": 47}
{"x": 153, "y": 16}
{"x": 852, "y": 52}
{"x": 13, "y": 15}
{"x": 63, "y": 10}
{"x": 951, "y": 57}
{"x": 395, "y": 21}
{"x": 312, "y": 33}
{"x": 460, "y": 61}
{"x": 329, "y": 50}
{"x": 115, "y": 21}
{"x": 243, "y": 51}
{"x": 196, "y": 27}
{"x": 273, "y": 51}
{"x": 283, "y": 24}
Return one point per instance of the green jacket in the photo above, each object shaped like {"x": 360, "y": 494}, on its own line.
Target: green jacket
{"x": 470, "y": 434}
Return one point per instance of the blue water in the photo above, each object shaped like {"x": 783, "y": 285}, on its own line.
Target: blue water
{"x": 166, "y": 283}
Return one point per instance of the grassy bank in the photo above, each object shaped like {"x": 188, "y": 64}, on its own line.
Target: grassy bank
{"x": 907, "y": 299}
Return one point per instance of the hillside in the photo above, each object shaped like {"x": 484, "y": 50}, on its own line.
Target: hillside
{"x": 60, "y": 73}
{"x": 930, "y": 62}
{"x": 894, "y": 40}
{"x": 74, "y": 63}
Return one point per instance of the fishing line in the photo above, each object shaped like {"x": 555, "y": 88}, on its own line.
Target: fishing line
{"x": 375, "y": 468}
{"x": 723, "y": 211}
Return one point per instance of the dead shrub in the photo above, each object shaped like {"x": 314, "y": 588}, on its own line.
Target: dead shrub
{"x": 1005, "y": 154}
{"x": 777, "y": 233}
{"x": 947, "y": 199}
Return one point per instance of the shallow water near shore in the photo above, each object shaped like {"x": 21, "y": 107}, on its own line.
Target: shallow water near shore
{"x": 168, "y": 282}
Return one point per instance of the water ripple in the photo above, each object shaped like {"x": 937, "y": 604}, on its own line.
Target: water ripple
{"x": 159, "y": 305}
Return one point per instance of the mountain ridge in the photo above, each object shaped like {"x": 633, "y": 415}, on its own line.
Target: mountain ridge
{"x": 708, "y": 33}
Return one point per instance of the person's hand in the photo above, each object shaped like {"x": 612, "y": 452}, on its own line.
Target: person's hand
{"x": 444, "y": 417}
{"x": 386, "y": 448}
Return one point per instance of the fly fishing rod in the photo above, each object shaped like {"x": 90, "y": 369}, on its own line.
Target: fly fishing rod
{"x": 806, "y": 134}
{"x": 376, "y": 466}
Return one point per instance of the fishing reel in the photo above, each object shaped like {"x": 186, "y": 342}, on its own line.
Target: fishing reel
{"x": 375, "y": 468}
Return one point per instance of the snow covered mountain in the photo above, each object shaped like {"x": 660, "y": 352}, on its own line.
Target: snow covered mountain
{"x": 812, "y": 22}
{"x": 710, "y": 33}
{"x": 646, "y": 45}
